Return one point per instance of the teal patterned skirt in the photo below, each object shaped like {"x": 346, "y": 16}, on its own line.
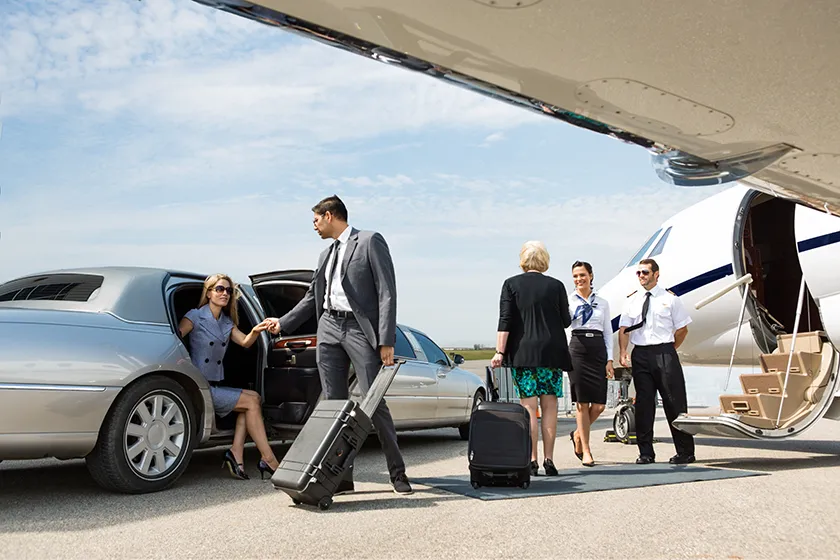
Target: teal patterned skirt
{"x": 533, "y": 382}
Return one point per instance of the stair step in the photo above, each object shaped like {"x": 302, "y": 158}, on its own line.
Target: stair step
{"x": 805, "y": 342}
{"x": 803, "y": 363}
{"x": 773, "y": 383}
{"x": 757, "y": 407}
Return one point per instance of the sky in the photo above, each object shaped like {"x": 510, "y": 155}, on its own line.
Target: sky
{"x": 165, "y": 133}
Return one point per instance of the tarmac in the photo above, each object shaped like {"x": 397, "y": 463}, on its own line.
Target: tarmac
{"x": 52, "y": 509}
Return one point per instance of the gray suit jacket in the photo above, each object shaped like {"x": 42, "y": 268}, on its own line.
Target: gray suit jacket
{"x": 369, "y": 282}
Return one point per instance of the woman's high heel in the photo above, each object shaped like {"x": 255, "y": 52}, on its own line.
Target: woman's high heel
{"x": 235, "y": 468}
{"x": 572, "y": 437}
{"x": 264, "y": 468}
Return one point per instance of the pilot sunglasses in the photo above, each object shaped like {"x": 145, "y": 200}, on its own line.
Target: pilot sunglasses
{"x": 642, "y": 272}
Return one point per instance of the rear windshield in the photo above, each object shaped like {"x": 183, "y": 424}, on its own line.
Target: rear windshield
{"x": 53, "y": 287}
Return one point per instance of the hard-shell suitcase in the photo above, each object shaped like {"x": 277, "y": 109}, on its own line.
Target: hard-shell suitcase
{"x": 499, "y": 449}
{"x": 328, "y": 443}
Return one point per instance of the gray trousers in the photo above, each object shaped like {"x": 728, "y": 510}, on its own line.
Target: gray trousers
{"x": 340, "y": 342}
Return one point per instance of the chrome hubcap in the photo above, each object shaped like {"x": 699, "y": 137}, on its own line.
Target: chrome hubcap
{"x": 155, "y": 435}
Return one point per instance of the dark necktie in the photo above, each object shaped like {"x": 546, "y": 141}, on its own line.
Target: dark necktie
{"x": 645, "y": 307}
{"x": 333, "y": 264}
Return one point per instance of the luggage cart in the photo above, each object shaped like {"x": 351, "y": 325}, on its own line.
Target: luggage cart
{"x": 624, "y": 420}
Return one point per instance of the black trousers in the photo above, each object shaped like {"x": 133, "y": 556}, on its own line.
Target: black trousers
{"x": 657, "y": 368}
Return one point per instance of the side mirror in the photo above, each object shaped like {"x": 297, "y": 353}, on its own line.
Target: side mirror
{"x": 458, "y": 359}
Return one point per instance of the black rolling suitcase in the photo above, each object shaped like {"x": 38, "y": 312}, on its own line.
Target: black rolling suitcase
{"x": 499, "y": 449}
{"x": 325, "y": 448}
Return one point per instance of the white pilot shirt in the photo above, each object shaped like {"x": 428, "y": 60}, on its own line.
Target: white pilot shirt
{"x": 599, "y": 321}
{"x": 665, "y": 315}
{"x": 337, "y": 296}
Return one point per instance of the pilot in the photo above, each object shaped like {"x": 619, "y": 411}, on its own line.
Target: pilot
{"x": 656, "y": 322}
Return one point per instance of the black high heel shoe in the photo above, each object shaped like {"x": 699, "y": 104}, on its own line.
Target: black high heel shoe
{"x": 550, "y": 469}
{"x": 264, "y": 468}
{"x": 235, "y": 468}
{"x": 572, "y": 437}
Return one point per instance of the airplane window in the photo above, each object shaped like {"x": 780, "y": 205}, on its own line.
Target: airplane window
{"x": 638, "y": 256}
{"x": 660, "y": 244}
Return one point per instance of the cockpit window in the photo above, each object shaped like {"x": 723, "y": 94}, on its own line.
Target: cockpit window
{"x": 660, "y": 244}
{"x": 638, "y": 256}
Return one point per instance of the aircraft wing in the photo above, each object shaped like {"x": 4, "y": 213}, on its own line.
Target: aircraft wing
{"x": 718, "y": 90}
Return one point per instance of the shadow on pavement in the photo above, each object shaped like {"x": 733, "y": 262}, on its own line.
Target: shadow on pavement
{"x": 51, "y": 495}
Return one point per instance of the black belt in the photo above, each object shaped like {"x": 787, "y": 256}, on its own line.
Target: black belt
{"x": 654, "y": 346}
{"x": 340, "y": 314}
{"x": 589, "y": 333}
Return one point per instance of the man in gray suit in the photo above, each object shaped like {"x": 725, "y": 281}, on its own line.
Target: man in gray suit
{"x": 353, "y": 295}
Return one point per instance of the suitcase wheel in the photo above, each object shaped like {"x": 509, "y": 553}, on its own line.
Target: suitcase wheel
{"x": 296, "y": 501}
{"x": 525, "y": 484}
{"x": 324, "y": 503}
{"x": 475, "y": 484}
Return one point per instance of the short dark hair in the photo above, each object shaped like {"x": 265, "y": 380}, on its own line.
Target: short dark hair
{"x": 653, "y": 266}
{"x": 584, "y": 264}
{"x": 333, "y": 205}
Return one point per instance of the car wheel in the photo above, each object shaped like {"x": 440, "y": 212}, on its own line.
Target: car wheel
{"x": 464, "y": 429}
{"x": 624, "y": 423}
{"x": 146, "y": 440}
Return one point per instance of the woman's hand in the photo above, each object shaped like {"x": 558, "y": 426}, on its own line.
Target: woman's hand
{"x": 610, "y": 370}
{"x": 496, "y": 361}
{"x": 261, "y": 327}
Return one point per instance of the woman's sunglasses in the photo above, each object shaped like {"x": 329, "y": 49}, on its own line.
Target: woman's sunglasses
{"x": 222, "y": 289}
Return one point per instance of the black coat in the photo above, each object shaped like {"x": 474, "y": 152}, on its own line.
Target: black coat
{"x": 534, "y": 309}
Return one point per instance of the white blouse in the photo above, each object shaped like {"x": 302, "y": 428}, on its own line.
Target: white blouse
{"x": 599, "y": 320}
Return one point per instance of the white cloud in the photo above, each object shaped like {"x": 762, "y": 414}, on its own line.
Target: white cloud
{"x": 492, "y": 138}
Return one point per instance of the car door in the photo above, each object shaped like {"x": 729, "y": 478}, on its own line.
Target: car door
{"x": 451, "y": 389}
{"x": 291, "y": 386}
{"x": 412, "y": 396}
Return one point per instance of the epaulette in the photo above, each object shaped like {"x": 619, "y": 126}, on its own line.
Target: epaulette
{"x": 631, "y": 293}
{"x": 670, "y": 292}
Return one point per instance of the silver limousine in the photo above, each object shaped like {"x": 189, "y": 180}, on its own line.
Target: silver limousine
{"x": 90, "y": 366}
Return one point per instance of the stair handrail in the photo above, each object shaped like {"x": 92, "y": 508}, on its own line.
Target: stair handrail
{"x": 745, "y": 279}
{"x": 792, "y": 347}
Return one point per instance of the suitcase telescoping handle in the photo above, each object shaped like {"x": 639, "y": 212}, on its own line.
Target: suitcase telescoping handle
{"x": 379, "y": 387}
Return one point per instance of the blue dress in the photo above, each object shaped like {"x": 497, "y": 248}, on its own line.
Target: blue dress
{"x": 208, "y": 343}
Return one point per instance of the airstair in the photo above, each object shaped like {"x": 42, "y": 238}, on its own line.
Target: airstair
{"x": 795, "y": 388}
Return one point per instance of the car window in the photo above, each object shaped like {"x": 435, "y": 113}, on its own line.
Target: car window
{"x": 640, "y": 253}
{"x": 433, "y": 353}
{"x": 63, "y": 287}
{"x": 660, "y": 244}
{"x": 402, "y": 348}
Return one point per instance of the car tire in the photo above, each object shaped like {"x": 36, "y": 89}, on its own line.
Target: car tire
{"x": 464, "y": 429}
{"x": 147, "y": 439}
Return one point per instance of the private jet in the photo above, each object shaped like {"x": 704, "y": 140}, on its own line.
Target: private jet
{"x": 717, "y": 93}
{"x": 745, "y": 255}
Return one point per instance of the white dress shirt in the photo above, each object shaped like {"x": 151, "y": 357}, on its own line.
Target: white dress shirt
{"x": 665, "y": 315}
{"x": 337, "y": 297}
{"x": 599, "y": 321}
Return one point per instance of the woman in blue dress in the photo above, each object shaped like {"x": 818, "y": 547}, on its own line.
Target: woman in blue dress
{"x": 210, "y": 327}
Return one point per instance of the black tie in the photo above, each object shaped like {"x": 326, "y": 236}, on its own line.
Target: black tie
{"x": 333, "y": 264}
{"x": 645, "y": 307}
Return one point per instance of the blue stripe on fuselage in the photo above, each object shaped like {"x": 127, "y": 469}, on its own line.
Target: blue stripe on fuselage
{"x": 723, "y": 271}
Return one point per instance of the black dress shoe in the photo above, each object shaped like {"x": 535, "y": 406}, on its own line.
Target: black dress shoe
{"x": 645, "y": 460}
{"x": 535, "y": 468}
{"x": 401, "y": 485}
{"x": 681, "y": 459}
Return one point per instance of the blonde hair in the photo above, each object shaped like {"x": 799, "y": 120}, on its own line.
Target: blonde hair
{"x": 534, "y": 256}
{"x": 231, "y": 308}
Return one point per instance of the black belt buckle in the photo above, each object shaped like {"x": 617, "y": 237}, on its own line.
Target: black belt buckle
{"x": 340, "y": 314}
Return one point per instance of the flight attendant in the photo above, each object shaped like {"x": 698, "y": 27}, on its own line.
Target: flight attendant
{"x": 656, "y": 322}
{"x": 591, "y": 350}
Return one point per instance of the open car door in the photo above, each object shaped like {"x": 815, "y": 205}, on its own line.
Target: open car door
{"x": 290, "y": 383}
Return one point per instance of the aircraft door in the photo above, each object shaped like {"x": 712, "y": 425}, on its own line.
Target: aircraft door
{"x": 818, "y": 244}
